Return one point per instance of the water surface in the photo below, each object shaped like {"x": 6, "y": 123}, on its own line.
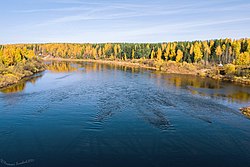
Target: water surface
{"x": 87, "y": 114}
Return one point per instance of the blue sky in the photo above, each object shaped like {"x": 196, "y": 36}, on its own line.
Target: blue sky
{"x": 39, "y": 21}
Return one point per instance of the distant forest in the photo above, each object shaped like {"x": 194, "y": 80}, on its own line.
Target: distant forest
{"x": 208, "y": 52}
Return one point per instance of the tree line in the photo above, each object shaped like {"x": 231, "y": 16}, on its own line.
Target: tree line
{"x": 12, "y": 54}
{"x": 213, "y": 52}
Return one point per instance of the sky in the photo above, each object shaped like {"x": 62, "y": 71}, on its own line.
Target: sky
{"x": 99, "y": 21}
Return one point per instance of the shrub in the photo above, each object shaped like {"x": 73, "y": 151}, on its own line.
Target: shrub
{"x": 158, "y": 64}
{"x": 188, "y": 66}
{"x": 230, "y": 69}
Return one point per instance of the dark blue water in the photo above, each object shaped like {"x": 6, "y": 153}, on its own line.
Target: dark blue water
{"x": 83, "y": 114}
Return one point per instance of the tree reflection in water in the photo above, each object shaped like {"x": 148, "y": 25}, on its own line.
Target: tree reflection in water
{"x": 19, "y": 87}
{"x": 59, "y": 67}
{"x": 207, "y": 87}
{"x": 196, "y": 85}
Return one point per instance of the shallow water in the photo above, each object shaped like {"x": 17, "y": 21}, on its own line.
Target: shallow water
{"x": 87, "y": 114}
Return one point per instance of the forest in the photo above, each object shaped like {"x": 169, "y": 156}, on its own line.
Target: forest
{"x": 210, "y": 52}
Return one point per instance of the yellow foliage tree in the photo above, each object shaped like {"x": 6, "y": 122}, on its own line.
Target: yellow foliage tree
{"x": 172, "y": 52}
{"x": 152, "y": 54}
{"x": 100, "y": 52}
{"x": 218, "y": 52}
{"x": 1, "y": 55}
{"x": 207, "y": 51}
{"x": 125, "y": 56}
{"x": 243, "y": 59}
{"x": 30, "y": 54}
{"x": 115, "y": 51}
{"x": 9, "y": 56}
{"x": 248, "y": 46}
{"x": 179, "y": 56}
{"x": 94, "y": 53}
{"x": 159, "y": 54}
{"x": 191, "y": 51}
{"x": 167, "y": 50}
{"x": 236, "y": 48}
{"x": 197, "y": 52}
{"x": 133, "y": 54}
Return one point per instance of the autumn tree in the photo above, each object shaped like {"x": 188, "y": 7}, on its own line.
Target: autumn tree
{"x": 197, "y": 52}
{"x": 159, "y": 54}
{"x": 172, "y": 52}
{"x": 243, "y": 59}
{"x": 167, "y": 52}
{"x": 248, "y": 45}
{"x": 152, "y": 54}
{"x": 1, "y": 55}
{"x": 218, "y": 52}
{"x": 207, "y": 51}
{"x": 133, "y": 54}
{"x": 179, "y": 56}
{"x": 236, "y": 49}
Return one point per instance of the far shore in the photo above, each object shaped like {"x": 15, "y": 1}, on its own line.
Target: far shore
{"x": 129, "y": 63}
{"x": 170, "y": 68}
{"x": 114, "y": 62}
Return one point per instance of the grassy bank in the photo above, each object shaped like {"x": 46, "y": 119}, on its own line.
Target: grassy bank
{"x": 10, "y": 75}
{"x": 229, "y": 73}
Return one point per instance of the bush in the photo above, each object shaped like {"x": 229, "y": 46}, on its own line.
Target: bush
{"x": 158, "y": 64}
{"x": 230, "y": 69}
{"x": 188, "y": 66}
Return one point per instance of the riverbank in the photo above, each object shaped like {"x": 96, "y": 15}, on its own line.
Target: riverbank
{"x": 13, "y": 74}
{"x": 168, "y": 67}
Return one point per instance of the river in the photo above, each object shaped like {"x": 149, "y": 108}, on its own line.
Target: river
{"x": 90, "y": 114}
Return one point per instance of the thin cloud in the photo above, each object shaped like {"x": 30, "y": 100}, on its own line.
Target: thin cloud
{"x": 52, "y": 10}
{"x": 180, "y": 28}
{"x": 115, "y": 11}
{"x": 85, "y": 20}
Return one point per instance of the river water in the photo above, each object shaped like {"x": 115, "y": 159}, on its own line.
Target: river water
{"x": 87, "y": 114}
